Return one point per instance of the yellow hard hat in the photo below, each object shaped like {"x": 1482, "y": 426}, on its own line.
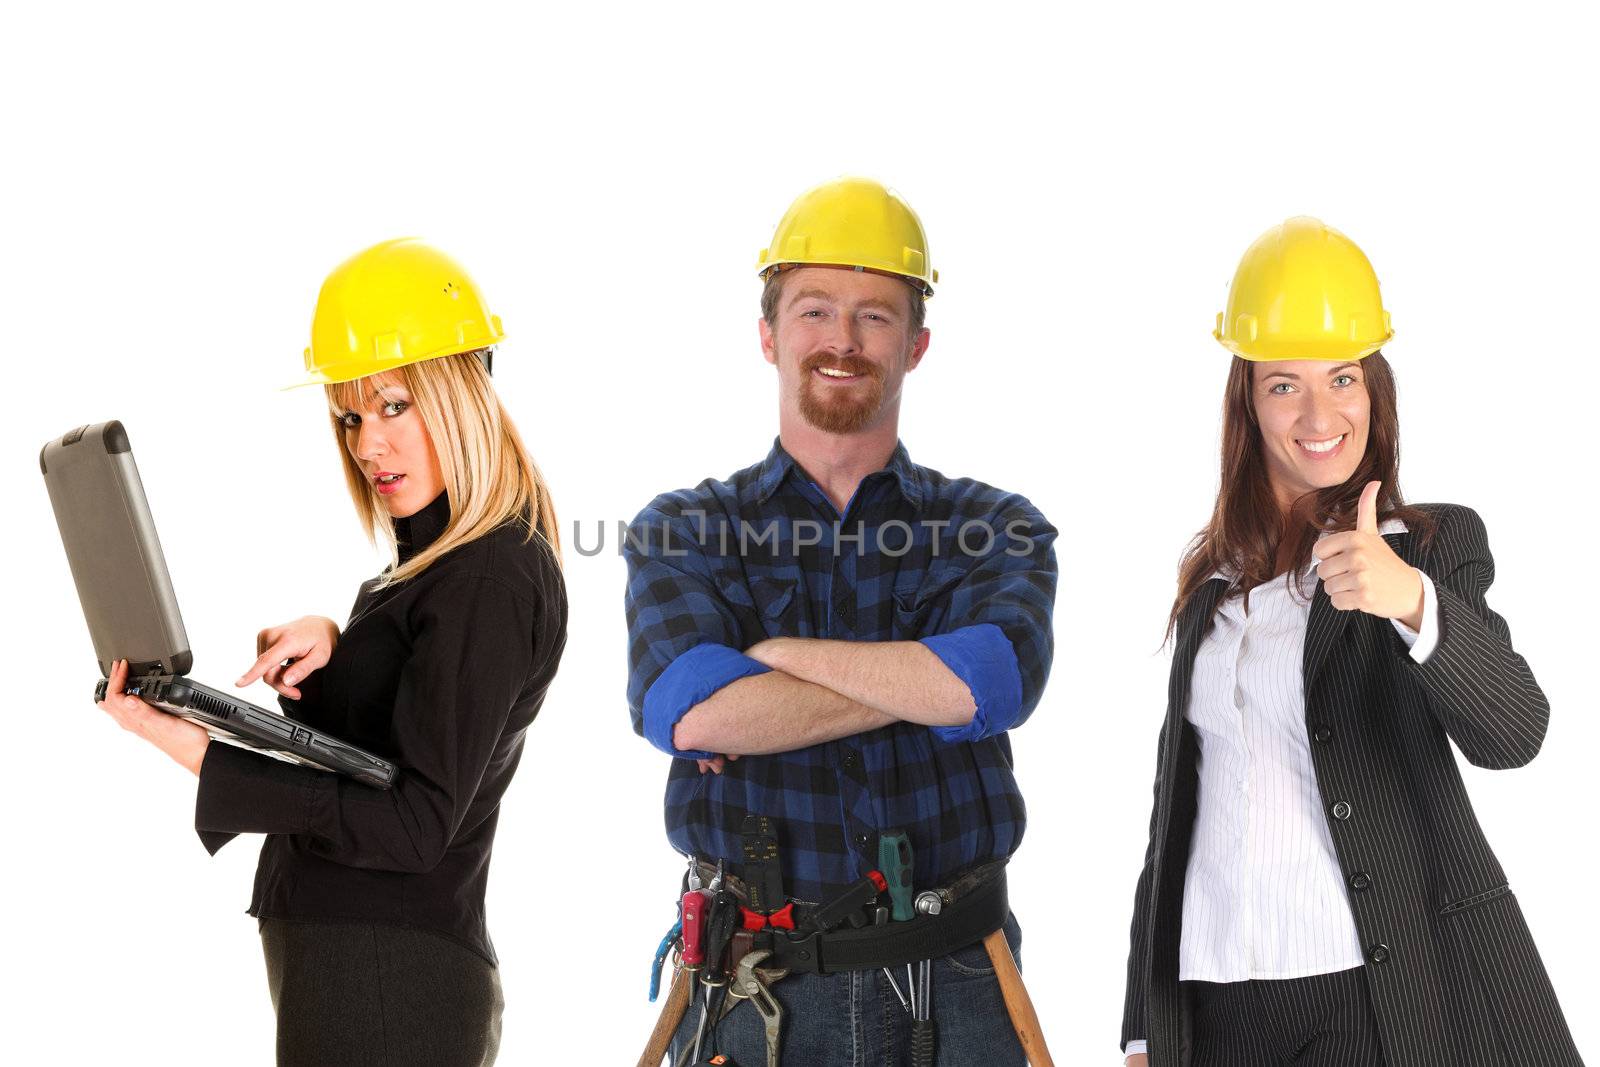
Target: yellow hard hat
{"x": 852, "y": 222}
{"x": 395, "y": 303}
{"x": 1303, "y": 291}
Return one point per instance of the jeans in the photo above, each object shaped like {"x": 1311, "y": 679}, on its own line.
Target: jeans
{"x": 854, "y": 1018}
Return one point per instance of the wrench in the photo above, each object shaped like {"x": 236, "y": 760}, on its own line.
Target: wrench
{"x": 763, "y": 1001}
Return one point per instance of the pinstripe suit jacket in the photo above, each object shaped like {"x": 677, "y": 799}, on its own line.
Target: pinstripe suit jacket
{"x": 1453, "y": 973}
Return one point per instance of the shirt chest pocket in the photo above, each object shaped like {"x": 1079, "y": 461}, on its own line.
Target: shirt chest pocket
{"x": 777, "y": 607}
{"x": 764, "y": 605}
{"x": 921, "y": 601}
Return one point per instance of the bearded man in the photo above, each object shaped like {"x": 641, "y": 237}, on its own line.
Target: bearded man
{"x": 833, "y": 644}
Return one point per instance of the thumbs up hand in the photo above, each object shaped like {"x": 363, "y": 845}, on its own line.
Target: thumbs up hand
{"x": 1360, "y": 572}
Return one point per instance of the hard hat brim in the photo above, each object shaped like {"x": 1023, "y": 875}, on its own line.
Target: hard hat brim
{"x": 1282, "y": 350}
{"x": 334, "y": 376}
{"x": 922, "y": 284}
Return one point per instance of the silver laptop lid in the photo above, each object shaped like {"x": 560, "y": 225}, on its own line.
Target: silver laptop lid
{"x": 116, "y": 559}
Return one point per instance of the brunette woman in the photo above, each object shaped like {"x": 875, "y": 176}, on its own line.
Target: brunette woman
{"x": 1316, "y": 888}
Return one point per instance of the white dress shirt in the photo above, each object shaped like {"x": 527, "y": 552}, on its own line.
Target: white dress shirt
{"x": 1263, "y": 896}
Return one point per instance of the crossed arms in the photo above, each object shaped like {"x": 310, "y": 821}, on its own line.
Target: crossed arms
{"x": 818, "y": 690}
{"x": 698, "y": 687}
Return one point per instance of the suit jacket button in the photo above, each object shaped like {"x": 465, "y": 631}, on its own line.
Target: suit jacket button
{"x": 1342, "y": 810}
{"x": 1323, "y": 733}
{"x": 1379, "y": 954}
{"x": 1361, "y": 881}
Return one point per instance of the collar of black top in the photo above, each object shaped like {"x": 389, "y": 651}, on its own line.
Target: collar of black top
{"x": 416, "y": 532}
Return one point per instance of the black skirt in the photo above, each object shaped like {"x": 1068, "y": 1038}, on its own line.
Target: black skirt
{"x": 358, "y": 994}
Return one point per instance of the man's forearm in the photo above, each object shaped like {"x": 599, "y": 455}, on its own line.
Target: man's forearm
{"x": 903, "y": 680}
{"x": 772, "y": 712}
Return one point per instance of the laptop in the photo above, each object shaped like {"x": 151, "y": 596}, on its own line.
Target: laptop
{"x": 132, "y": 612}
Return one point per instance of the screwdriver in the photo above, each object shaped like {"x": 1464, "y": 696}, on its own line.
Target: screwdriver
{"x": 894, "y": 860}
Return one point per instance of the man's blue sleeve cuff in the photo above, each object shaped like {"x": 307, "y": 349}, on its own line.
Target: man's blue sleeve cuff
{"x": 688, "y": 680}
{"x": 981, "y": 655}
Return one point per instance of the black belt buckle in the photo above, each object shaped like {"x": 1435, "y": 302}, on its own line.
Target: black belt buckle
{"x": 799, "y": 953}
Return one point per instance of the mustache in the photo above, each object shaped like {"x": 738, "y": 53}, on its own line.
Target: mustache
{"x": 848, "y": 364}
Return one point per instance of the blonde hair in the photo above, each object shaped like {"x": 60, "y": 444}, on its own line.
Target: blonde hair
{"x": 489, "y": 476}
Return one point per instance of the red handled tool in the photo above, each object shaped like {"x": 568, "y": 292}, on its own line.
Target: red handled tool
{"x": 782, "y": 919}
{"x": 696, "y": 905}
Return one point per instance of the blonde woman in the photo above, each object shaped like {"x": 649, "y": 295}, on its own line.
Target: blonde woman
{"x": 371, "y": 902}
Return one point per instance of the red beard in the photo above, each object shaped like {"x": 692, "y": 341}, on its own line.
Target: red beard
{"x": 850, "y": 407}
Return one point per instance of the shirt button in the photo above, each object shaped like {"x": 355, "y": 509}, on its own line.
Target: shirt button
{"x": 1379, "y": 954}
{"x": 862, "y": 840}
{"x": 849, "y": 760}
{"x": 1342, "y": 810}
{"x": 1324, "y": 733}
{"x": 1361, "y": 881}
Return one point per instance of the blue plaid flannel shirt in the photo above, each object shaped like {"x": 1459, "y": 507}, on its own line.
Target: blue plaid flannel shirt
{"x": 964, "y": 568}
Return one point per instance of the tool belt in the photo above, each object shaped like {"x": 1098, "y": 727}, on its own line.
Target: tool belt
{"x": 973, "y": 906}
{"x": 961, "y": 923}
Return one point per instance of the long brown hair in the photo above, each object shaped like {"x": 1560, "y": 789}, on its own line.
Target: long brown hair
{"x": 488, "y": 473}
{"x": 1247, "y": 534}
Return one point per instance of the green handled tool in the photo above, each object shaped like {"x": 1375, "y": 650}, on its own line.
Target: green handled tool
{"x": 894, "y": 860}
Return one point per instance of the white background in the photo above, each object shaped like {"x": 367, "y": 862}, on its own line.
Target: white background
{"x": 179, "y": 180}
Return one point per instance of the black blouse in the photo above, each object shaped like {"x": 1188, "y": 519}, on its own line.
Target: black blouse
{"x": 441, "y": 674}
